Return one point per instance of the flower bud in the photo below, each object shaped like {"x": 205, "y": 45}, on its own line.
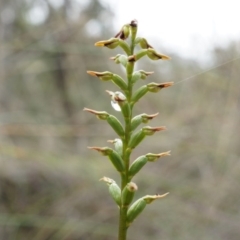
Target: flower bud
{"x": 125, "y": 47}
{"x": 124, "y": 32}
{"x": 142, "y": 118}
{"x": 136, "y": 76}
{"x": 136, "y": 121}
{"x": 152, "y": 54}
{"x": 135, "y": 209}
{"x": 136, "y": 138}
{"x": 146, "y": 117}
{"x": 140, "y": 75}
{"x": 111, "y": 43}
{"x": 104, "y": 76}
{"x": 100, "y": 115}
{"x": 139, "y": 93}
{"x": 145, "y": 74}
{"x": 118, "y": 145}
{"x": 137, "y": 166}
{"x": 120, "y": 59}
{"x": 144, "y": 44}
{"x": 137, "y": 40}
{"x": 138, "y": 206}
{"x": 112, "y": 121}
{"x": 114, "y": 157}
{"x": 128, "y": 194}
{"x": 133, "y": 27}
{"x": 151, "y": 130}
{"x": 116, "y": 125}
{"x": 151, "y": 157}
{"x": 115, "y": 192}
{"x": 150, "y": 198}
{"x": 119, "y": 82}
{"x": 117, "y": 161}
{"x": 156, "y": 87}
{"x": 114, "y": 189}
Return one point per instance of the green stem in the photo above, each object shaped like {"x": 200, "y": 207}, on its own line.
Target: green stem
{"x": 122, "y": 231}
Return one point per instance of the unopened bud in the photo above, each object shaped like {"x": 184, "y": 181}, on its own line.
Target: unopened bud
{"x": 145, "y": 74}
{"x": 120, "y": 59}
{"x": 144, "y": 44}
{"x": 150, "y": 198}
{"x": 135, "y": 209}
{"x": 136, "y": 121}
{"x": 118, "y": 145}
{"x": 152, "y": 54}
{"x": 124, "y": 32}
{"x": 125, "y": 47}
{"x": 137, "y": 166}
{"x": 133, "y": 27}
{"x": 99, "y": 114}
{"x": 105, "y": 76}
{"x": 136, "y": 138}
{"x": 128, "y": 194}
{"x": 112, "y": 121}
{"x": 114, "y": 157}
{"x": 137, "y": 40}
{"x": 139, "y": 93}
{"x": 151, "y": 157}
{"x": 136, "y": 76}
{"x": 116, "y": 125}
{"x": 140, "y": 75}
{"x": 111, "y": 43}
{"x": 119, "y": 82}
{"x": 142, "y": 118}
{"x": 151, "y": 130}
{"x": 156, "y": 87}
{"x": 147, "y": 117}
{"x": 138, "y": 206}
{"x": 114, "y": 189}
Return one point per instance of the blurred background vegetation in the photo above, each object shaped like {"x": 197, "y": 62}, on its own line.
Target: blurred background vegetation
{"x": 49, "y": 185}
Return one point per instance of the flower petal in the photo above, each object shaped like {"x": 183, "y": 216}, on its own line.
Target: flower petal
{"x": 115, "y": 106}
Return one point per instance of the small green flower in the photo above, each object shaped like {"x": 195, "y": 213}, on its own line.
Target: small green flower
{"x": 118, "y": 145}
{"x": 119, "y": 58}
{"x": 156, "y": 87}
{"x": 116, "y": 97}
{"x": 105, "y": 76}
{"x": 114, "y": 189}
{"x": 140, "y": 75}
{"x": 110, "y": 43}
{"x": 124, "y": 32}
{"x": 152, "y": 54}
{"x": 137, "y": 207}
{"x": 144, "y": 44}
{"x": 128, "y": 193}
{"x": 113, "y": 156}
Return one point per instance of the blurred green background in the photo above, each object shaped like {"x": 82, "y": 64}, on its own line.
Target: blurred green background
{"x": 49, "y": 185}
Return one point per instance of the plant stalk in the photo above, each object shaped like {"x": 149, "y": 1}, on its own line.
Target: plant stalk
{"x": 122, "y": 231}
